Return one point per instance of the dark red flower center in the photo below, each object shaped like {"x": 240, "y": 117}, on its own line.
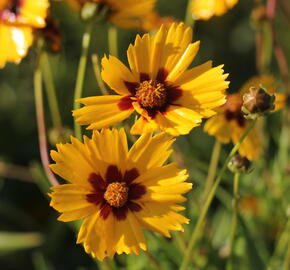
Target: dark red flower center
{"x": 116, "y": 193}
{"x": 233, "y": 111}
{"x": 153, "y": 95}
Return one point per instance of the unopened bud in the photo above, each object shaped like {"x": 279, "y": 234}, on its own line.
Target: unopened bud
{"x": 239, "y": 164}
{"x": 257, "y": 102}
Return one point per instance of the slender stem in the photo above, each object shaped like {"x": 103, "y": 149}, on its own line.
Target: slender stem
{"x": 230, "y": 265}
{"x": 204, "y": 210}
{"x": 50, "y": 91}
{"x": 41, "y": 122}
{"x": 97, "y": 70}
{"x": 212, "y": 169}
{"x": 113, "y": 40}
{"x": 188, "y": 14}
{"x": 81, "y": 73}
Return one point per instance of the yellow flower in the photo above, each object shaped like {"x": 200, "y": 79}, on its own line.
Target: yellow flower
{"x": 17, "y": 20}
{"x": 205, "y": 9}
{"x": 230, "y": 124}
{"x": 125, "y": 13}
{"x": 118, "y": 192}
{"x": 158, "y": 86}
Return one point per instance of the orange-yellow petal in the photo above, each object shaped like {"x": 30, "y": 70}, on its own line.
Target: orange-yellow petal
{"x": 14, "y": 44}
{"x": 103, "y": 111}
{"x": 149, "y": 152}
{"x": 116, "y": 74}
{"x": 205, "y": 9}
{"x": 219, "y": 127}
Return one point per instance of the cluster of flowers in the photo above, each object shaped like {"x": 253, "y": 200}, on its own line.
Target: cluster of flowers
{"x": 117, "y": 191}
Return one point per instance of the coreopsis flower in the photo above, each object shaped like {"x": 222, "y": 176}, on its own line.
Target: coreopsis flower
{"x": 117, "y": 192}
{"x": 229, "y": 124}
{"x": 17, "y": 20}
{"x": 205, "y": 9}
{"x": 158, "y": 86}
{"x": 125, "y": 13}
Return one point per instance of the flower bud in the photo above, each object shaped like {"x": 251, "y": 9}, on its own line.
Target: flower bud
{"x": 257, "y": 102}
{"x": 239, "y": 164}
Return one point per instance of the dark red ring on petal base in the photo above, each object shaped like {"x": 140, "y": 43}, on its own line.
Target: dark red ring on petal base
{"x": 99, "y": 186}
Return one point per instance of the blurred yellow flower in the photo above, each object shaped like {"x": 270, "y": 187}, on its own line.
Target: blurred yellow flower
{"x": 158, "y": 87}
{"x": 230, "y": 124}
{"x": 17, "y": 20}
{"x": 153, "y": 21}
{"x": 205, "y": 9}
{"x": 117, "y": 192}
{"x": 125, "y": 13}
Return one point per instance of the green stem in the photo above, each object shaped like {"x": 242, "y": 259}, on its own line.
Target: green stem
{"x": 204, "y": 210}
{"x": 212, "y": 169}
{"x": 188, "y": 14}
{"x": 230, "y": 265}
{"x": 81, "y": 74}
{"x": 50, "y": 91}
{"x": 113, "y": 40}
{"x": 41, "y": 121}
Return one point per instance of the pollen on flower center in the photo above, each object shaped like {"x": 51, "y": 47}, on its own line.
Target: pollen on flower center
{"x": 151, "y": 94}
{"x": 116, "y": 194}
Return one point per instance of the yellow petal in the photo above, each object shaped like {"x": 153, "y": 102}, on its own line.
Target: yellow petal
{"x": 73, "y": 163}
{"x": 280, "y": 102}
{"x": 103, "y": 111}
{"x": 111, "y": 146}
{"x": 160, "y": 218}
{"x": 251, "y": 147}
{"x": 142, "y": 125}
{"x": 178, "y": 120}
{"x": 205, "y": 9}
{"x": 183, "y": 62}
{"x": 149, "y": 152}
{"x": 219, "y": 127}
{"x": 33, "y": 13}
{"x": 14, "y": 44}
{"x": 115, "y": 74}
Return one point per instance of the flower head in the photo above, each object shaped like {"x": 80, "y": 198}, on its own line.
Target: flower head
{"x": 117, "y": 192}
{"x": 230, "y": 123}
{"x": 205, "y": 9}
{"x": 125, "y": 13}
{"x": 17, "y": 19}
{"x": 158, "y": 86}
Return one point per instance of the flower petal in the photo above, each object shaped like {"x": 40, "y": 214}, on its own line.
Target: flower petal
{"x": 112, "y": 147}
{"x": 160, "y": 218}
{"x": 103, "y": 111}
{"x": 142, "y": 125}
{"x": 115, "y": 74}
{"x": 72, "y": 162}
{"x": 219, "y": 127}
{"x": 14, "y": 44}
{"x": 178, "y": 120}
{"x": 149, "y": 152}
{"x": 251, "y": 147}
